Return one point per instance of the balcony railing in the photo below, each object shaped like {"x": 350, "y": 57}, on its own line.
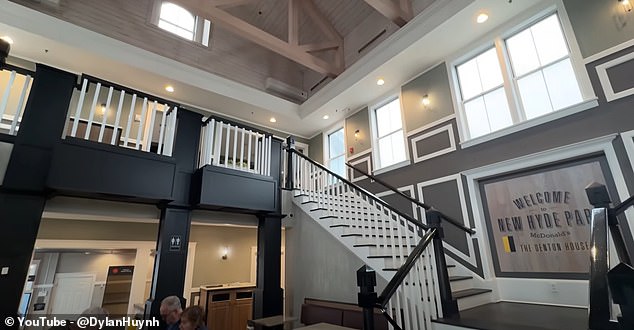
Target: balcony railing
{"x": 108, "y": 113}
{"x": 15, "y": 85}
{"x": 226, "y": 144}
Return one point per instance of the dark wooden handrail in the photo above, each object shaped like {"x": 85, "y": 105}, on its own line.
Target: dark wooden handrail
{"x": 402, "y": 272}
{"x": 623, "y": 206}
{"x": 421, "y": 204}
{"x": 370, "y": 195}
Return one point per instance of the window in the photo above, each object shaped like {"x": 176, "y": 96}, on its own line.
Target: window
{"x": 337, "y": 152}
{"x": 524, "y": 76}
{"x": 389, "y": 140}
{"x": 179, "y": 21}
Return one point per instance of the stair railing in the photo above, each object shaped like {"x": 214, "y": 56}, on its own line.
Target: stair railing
{"x": 99, "y": 115}
{"x": 426, "y": 280}
{"x": 619, "y": 281}
{"x": 418, "y": 203}
{"x": 13, "y": 97}
{"x": 236, "y": 146}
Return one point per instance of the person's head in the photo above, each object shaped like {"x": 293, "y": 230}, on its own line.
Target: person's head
{"x": 192, "y": 318}
{"x": 171, "y": 309}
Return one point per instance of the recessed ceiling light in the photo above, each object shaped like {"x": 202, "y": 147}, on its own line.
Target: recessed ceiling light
{"x": 169, "y": 88}
{"x": 482, "y": 17}
{"x": 273, "y": 120}
{"x": 380, "y": 82}
{"x": 326, "y": 117}
{"x": 7, "y": 39}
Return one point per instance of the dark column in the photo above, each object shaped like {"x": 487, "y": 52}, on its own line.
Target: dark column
{"x": 367, "y": 297}
{"x": 268, "y": 300}
{"x": 23, "y": 191}
{"x": 173, "y": 237}
{"x": 449, "y": 305}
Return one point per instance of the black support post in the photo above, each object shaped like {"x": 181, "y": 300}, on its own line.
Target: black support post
{"x": 173, "y": 237}
{"x": 449, "y": 305}
{"x": 268, "y": 298}
{"x": 290, "y": 144}
{"x": 23, "y": 191}
{"x": 367, "y": 297}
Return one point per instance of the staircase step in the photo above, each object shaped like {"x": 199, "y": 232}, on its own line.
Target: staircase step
{"x": 377, "y": 245}
{"x": 379, "y": 236}
{"x": 391, "y": 269}
{"x": 468, "y": 293}
{"x": 386, "y": 256}
{"x": 459, "y": 278}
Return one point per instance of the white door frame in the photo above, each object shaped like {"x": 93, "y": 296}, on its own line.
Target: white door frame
{"x": 141, "y": 261}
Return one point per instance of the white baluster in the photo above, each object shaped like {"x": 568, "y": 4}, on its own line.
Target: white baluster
{"x": 162, "y": 130}
{"x": 228, "y": 137}
{"x": 5, "y": 95}
{"x": 105, "y": 114}
{"x": 113, "y": 140}
{"x": 172, "y": 130}
{"x": 141, "y": 124}
{"x": 126, "y": 138}
{"x": 242, "y": 151}
{"x": 92, "y": 112}
{"x": 235, "y": 146}
{"x": 218, "y": 143}
{"x": 18, "y": 109}
{"x": 211, "y": 126}
{"x": 80, "y": 104}
{"x": 249, "y": 151}
{"x": 150, "y": 129}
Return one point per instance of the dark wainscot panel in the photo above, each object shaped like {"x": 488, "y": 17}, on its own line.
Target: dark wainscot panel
{"x": 90, "y": 169}
{"x": 220, "y": 188}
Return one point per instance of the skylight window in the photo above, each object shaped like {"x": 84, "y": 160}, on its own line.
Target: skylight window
{"x": 178, "y": 20}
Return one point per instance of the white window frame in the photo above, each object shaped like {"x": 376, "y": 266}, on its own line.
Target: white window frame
{"x": 376, "y": 169}
{"x": 497, "y": 38}
{"x": 326, "y": 146}
{"x": 202, "y": 26}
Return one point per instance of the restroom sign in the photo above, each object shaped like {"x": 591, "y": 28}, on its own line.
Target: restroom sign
{"x": 175, "y": 243}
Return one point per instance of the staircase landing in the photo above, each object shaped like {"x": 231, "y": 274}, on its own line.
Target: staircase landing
{"x": 518, "y": 316}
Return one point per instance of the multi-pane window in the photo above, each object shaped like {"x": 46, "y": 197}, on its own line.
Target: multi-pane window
{"x": 390, "y": 142}
{"x": 178, "y": 20}
{"x": 337, "y": 152}
{"x": 540, "y": 75}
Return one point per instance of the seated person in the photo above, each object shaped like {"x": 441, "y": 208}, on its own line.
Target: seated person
{"x": 192, "y": 319}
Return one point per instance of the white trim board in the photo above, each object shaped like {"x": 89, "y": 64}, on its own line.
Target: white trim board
{"x": 471, "y": 259}
{"x": 450, "y": 148}
{"x": 412, "y": 193}
{"x": 366, "y": 159}
{"x": 608, "y": 51}
{"x": 606, "y": 84}
{"x": 430, "y": 125}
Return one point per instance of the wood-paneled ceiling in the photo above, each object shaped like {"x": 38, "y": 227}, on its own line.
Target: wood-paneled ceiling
{"x": 303, "y": 44}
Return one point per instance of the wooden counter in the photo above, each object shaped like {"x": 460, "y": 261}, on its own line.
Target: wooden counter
{"x": 227, "y": 307}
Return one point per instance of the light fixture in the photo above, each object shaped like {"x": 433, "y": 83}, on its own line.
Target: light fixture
{"x": 627, "y": 5}
{"x": 380, "y": 82}
{"x": 273, "y": 120}
{"x": 169, "y": 88}
{"x": 103, "y": 108}
{"x": 325, "y": 117}
{"x": 5, "y": 48}
{"x": 426, "y": 101}
{"x": 356, "y": 133}
{"x": 482, "y": 17}
{"x": 225, "y": 253}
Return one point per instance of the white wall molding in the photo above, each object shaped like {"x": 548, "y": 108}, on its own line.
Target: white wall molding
{"x": 367, "y": 159}
{"x": 431, "y": 125}
{"x": 412, "y": 194}
{"x": 609, "y": 51}
{"x": 457, "y": 178}
{"x": 450, "y": 148}
{"x": 606, "y": 84}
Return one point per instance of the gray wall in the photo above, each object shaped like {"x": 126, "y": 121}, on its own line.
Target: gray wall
{"x": 361, "y": 142}
{"x": 599, "y": 24}
{"x": 316, "y": 148}
{"x": 318, "y": 265}
{"x": 435, "y": 84}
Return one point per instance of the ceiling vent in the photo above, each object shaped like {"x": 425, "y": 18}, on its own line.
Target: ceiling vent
{"x": 285, "y": 90}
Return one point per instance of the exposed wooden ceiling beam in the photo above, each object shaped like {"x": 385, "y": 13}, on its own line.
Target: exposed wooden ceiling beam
{"x": 319, "y": 46}
{"x": 258, "y": 36}
{"x": 320, "y": 20}
{"x": 408, "y": 11}
{"x": 390, "y": 10}
{"x": 293, "y": 22}
{"x": 229, "y": 3}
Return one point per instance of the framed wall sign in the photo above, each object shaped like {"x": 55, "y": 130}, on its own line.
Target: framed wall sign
{"x": 539, "y": 219}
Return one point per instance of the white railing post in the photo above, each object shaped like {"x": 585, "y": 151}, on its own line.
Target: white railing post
{"x": 104, "y": 115}
{"x": 92, "y": 112}
{"x": 162, "y": 130}
{"x": 113, "y": 140}
{"x": 5, "y": 95}
{"x": 211, "y": 126}
{"x": 150, "y": 129}
{"x": 130, "y": 120}
{"x": 228, "y": 138}
{"x": 218, "y": 143}
{"x": 242, "y": 150}
{"x": 234, "y": 156}
{"x": 18, "y": 109}
{"x": 172, "y": 132}
{"x": 80, "y": 105}
{"x": 141, "y": 124}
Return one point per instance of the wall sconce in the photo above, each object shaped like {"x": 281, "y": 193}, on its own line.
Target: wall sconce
{"x": 225, "y": 253}
{"x": 356, "y": 134}
{"x": 103, "y": 108}
{"x": 627, "y": 5}
{"x": 426, "y": 101}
